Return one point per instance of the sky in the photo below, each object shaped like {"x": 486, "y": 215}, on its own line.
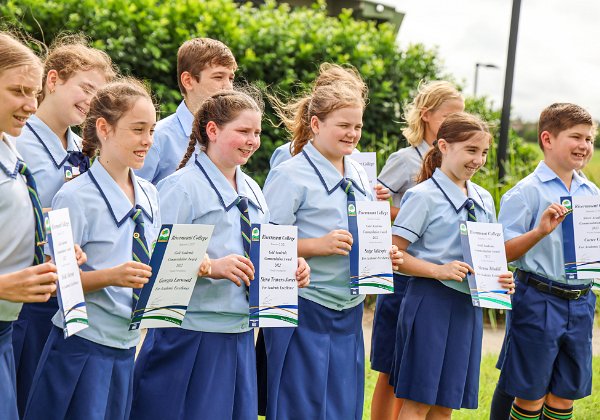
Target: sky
{"x": 557, "y": 59}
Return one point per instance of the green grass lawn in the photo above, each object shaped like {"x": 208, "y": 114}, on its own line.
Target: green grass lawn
{"x": 585, "y": 409}
{"x": 592, "y": 169}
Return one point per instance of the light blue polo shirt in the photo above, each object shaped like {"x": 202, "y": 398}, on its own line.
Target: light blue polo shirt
{"x": 101, "y": 223}
{"x": 401, "y": 170}
{"x": 305, "y": 191}
{"x": 44, "y": 153}
{"x": 429, "y": 218}
{"x": 281, "y": 154}
{"x": 171, "y": 139}
{"x": 17, "y": 221}
{"x": 200, "y": 194}
{"x": 521, "y": 209}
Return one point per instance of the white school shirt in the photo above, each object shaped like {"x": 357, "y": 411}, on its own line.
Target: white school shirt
{"x": 401, "y": 170}
{"x": 171, "y": 139}
{"x": 46, "y": 157}
{"x": 102, "y": 225}
{"x": 17, "y": 221}
{"x": 200, "y": 194}
{"x": 429, "y": 219}
{"x": 281, "y": 154}
{"x": 305, "y": 191}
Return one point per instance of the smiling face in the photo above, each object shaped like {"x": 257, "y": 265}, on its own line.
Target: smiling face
{"x": 19, "y": 87}
{"x": 570, "y": 149}
{"x": 126, "y": 144}
{"x": 338, "y": 133}
{"x": 71, "y": 98}
{"x": 434, "y": 118}
{"x": 461, "y": 160}
{"x": 233, "y": 143}
{"x": 211, "y": 80}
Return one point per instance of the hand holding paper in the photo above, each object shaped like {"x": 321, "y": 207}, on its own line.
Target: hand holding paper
{"x": 396, "y": 257}
{"x": 205, "y": 267}
{"x": 80, "y": 255}
{"x": 303, "y": 273}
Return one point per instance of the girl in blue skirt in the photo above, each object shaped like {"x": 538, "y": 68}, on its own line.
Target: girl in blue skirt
{"x": 438, "y": 339}
{"x": 207, "y": 369}
{"x": 114, "y": 215}
{"x": 434, "y": 102}
{"x": 316, "y": 371}
{"x": 72, "y": 74}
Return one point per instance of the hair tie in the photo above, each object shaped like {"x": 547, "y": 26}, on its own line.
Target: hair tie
{"x": 435, "y": 143}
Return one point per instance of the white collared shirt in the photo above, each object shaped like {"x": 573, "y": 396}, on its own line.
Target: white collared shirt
{"x": 102, "y": 225}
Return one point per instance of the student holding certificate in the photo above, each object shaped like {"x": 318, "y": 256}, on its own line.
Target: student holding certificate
{"x": 208, "y": 365}
{"x": 317, "y": 369}
{"x": 438, "y": 340}
{"x": 548, "y": 381}
{"x": 115, "y": 217}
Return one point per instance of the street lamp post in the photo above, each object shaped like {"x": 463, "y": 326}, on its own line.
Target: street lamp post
{"x": 484, "y": 65}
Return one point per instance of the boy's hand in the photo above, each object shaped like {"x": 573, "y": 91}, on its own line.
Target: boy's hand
{"x": 205, "y": 267}
{"x": 508, "y": 282}
{"x": 551, "y": 218}
{"x": 455, "y": 270}
{"x": 233, "y": 268}
{"x": 396, "y": 257}
{"x": 80, "y": 255}
{"x": 131, "y": 274}
{"x": 381, "y": 193}
{"x": 336, "y": 242}
{"x": 303, "y": 273}
{"x": 32, "y": 284}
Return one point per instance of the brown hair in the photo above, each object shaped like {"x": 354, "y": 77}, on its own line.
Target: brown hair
{"x": 562, "y": 116}
{"x": 197, "y": 54}
{"x": 221, "y": 108}
{"x": 13, "y": 53}
{"x": 70, "y": 54}
{"x": 336, "y": 87}
{"x": 456, "y": 128}
{"x": 111, "y": 102}
{"x": 430, "y": 97}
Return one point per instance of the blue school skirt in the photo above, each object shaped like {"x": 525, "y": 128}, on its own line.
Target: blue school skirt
{"x": 30, "y": 333}
{"x": 317, "y": 370}
{"x": 183, "y": 374}
{"x": 438, "y": 346}
{"x": 385, "y": 321}
{"x": 8, "y": 393}
{"x": 79, "y": 379}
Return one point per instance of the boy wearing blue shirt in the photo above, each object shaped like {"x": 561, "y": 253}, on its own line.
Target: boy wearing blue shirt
{"x": 548, "y": 361}
{"x": 204, "y": 67}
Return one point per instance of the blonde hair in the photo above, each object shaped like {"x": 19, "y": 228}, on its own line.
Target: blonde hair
{"x": 335, "y": 88}
{"x": 111, "y": 102}
{"x": 430, "y": 97}
{"x": 456, "y": 128}
{"x": 70, "y": 54}
{"x": 221, "y": 108}
{"x": 13, "y": 53}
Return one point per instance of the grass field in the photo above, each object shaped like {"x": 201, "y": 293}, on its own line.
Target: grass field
{"x": 585, "y": 409}
{"x": 592, "y": 170}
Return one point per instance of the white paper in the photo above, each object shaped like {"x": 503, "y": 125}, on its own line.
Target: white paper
{"x": 175, "y": 261}
{"x": 488, "y": 259}
{"x": 368, "y": 160}
{"x": 375, "y": 274}
{"x": 585, "y": 239}
{"x": 70, "y": 291}
{"x": 274, "y": 290}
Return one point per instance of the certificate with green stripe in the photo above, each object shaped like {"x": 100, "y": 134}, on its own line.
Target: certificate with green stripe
{"x": 176, "y": 257}
{"x": 273, "y": 294}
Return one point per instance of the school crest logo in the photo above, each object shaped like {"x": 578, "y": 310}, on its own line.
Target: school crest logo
{"x": 68, "y": 173}
{"x": 463, "y": 229}
{"x": 255, "y": 234}
{"x": 47, "y": 224}
{"x": 567, "y": 203}
{"x": 351, "y": 210}
{"x": 164, "y": 235}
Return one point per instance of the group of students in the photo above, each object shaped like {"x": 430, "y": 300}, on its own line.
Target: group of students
{"x": 129, "y": 174}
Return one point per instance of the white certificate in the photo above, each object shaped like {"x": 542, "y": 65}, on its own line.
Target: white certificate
{"x": 274, "y": 290}
{"x": 483, "y": 249}
{"x": 368, "y": 160}
{"x": 69, "y": 291}
{"x": 371, "y": 249}
{"x": 581, "y": 238}
{"x": 175, "y": 261}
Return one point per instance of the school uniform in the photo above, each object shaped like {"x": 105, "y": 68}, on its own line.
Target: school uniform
{"x": 281, "y": 154}
{"x": 171, "y": 139}
{"x": 51, "y": 166}
{"x": 548, "y": 345}
{"x": 208, "y": 365}
{"x": 90, "y": 375}
{"x": 16, "y": 253}
{"x": 398, "y": 175}
{"x": 438, "y": 340}
{"x": 317, "y": 369}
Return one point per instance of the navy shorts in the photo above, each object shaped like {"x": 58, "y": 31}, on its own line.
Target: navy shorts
{"x": 549, "y": 345}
